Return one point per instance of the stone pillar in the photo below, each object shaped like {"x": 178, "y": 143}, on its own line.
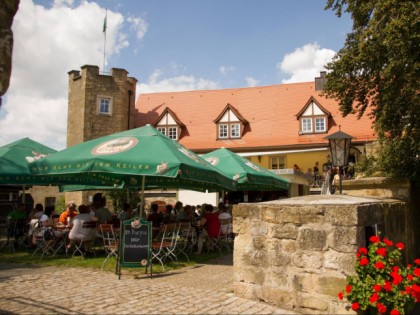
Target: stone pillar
{"x": 296, "y": 253}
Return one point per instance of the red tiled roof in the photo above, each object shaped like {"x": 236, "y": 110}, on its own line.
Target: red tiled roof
{"x": 270, "y": 110}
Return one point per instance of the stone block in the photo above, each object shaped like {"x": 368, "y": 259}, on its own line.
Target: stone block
{"x": 302, "y": 215}
{"x": 289, "y": 246}
{"x": 240, "y": 226}
{"x": 305, "y": 282}
{"x": 269, "y": 214}
{"x": 278, "y": 258}
{"x": 308, "y": 259}
{"x": 317, "y": 302}
{"x": 258, "y": 228}
{"x": 345, "y": 238}
{"x": 250, "y": 275}
{"x": 255, "y": 258}
{"x": 309, "y": 238}
{"x": 283, "y": 298}
{"x": 331, "y": 285}
{"x": 277, "y": 278}
{"x": 342, "y": 215}
{"x": 287, "y": 230}
{"x": 247, "y": 290}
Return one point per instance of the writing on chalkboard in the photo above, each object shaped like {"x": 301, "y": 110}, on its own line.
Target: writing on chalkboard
{"x": 135, "y": 244}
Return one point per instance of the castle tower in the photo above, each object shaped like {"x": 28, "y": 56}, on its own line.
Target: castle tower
{"x": 98, "y": 105}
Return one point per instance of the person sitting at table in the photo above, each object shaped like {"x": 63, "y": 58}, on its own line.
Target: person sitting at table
{"x": 126, "y": 213}
{"x": 67, "y": 215}
{"x": 155, "y": 218}
{"x": 224, "y": 214}
{"x": 211, "y": 226}
{"x": 46, "y": 223}
{"x": 101, "y": 212}
{"x": 169, "y": 216}
{"x": 77, "y": 231}
{"x": 17, "y": 222}
{"x": 36, "y": 212}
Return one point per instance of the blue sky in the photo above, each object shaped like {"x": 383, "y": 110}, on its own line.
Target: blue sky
{"x": 168, "y": 45}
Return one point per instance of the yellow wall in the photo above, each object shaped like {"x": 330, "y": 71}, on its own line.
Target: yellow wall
{"x": 303, "y": 160}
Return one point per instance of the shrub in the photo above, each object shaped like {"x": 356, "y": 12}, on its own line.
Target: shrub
{"x": 382, "y": 284}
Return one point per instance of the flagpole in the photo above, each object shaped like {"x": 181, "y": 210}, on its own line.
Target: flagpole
{"x": 104, "y": 31}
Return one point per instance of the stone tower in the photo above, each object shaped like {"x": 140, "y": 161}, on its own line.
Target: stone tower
{"x": 98, "y": 105}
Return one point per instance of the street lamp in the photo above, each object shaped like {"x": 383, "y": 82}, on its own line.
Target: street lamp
{"x": 339, "y": 143}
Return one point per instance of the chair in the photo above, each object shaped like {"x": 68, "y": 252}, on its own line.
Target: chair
{"x": 186, "y": 239}
{"x": 220, "y": 240}
{"x": 16, "y": 229}
{"x": 110, "y": 242}
{"x": 165, "y": 244}
{"x": 40, "y": 242}
{"x": 90, "y": 225}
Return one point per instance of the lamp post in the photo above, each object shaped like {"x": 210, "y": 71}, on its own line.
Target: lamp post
{"x": 339, "y": 144}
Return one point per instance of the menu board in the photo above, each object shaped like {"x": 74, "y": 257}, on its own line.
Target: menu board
{"x": 135, "y": 246}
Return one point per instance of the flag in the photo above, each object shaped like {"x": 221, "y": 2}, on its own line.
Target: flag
{"x": 104, "y": 27}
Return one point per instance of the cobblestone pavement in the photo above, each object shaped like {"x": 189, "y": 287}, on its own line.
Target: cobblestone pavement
{"x": 202, "y": 289}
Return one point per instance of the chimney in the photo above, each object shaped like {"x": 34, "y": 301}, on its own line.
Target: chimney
{"x": 320, "y": 81}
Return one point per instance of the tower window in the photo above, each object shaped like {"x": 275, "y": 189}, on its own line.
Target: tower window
{"x": 104, "y": 105}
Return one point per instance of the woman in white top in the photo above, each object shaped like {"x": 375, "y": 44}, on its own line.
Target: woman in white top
{"x": 77, "y": 231}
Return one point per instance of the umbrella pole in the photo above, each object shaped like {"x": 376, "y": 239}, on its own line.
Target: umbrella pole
{"x": 142, "y": 196}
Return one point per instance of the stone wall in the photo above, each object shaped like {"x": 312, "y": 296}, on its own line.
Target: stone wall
{"x": 296, "y": 253}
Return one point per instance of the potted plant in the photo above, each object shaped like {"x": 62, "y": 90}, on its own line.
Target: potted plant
{"x": 382, "y": 284}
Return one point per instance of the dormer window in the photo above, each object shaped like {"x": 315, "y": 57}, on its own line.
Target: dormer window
{"x": 169, "y": 124}
{"x": 313, "y": 118}
{"x": 230, "y": 124}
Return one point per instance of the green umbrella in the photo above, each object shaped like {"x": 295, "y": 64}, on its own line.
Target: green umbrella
{"x": 249, "y": 176}
{"x": 141, "y": 157}
{"x": 15, "y": 159}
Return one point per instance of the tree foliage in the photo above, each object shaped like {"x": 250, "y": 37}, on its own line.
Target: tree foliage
{"x": 376, "y": 73}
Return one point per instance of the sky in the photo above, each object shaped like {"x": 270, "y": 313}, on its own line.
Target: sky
{"x": 167, "y": 45}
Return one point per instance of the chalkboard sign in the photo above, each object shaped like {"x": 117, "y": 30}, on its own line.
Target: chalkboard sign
{"x": 135, "y": 245}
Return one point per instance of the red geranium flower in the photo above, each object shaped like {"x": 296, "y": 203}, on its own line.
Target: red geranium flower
{"x": 417, "y": 261}
{"x": 348, "y": 288}
{"x": 379, "y": 265}
{"x": 416, "y": 272}
{"x": 388, "y": 242}
{"x": 397, "y": 279}
{"x": 357, "y": 255}
{"x": 374, "y": 297}
{"x": 381, "y": 251}
{"x": 381, "y": 308}
{"x": 364, "y": 261}
{"x": 340, "y": 295}
{"x": 387, "y": 286}
{"x": 374, "y": 239}
{"x": 395, "y": 312}
{"x": 377, "y": 288}
{"x": 410, "y": 277}
{"x": 355, "y": 306}
{"x": 400, "y": 246}
{"x": 363, "y": 250}
{"x": 395, "y": 268}
{"x": 415, "y": 292}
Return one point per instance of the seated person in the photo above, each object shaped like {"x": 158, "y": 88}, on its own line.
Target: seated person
{"x": 17, "y": 222}
{"x": 37, "y": 212}
{"x": 224, "y": 214}
{"x": 155, "y": 218}
{"x": 77, "y": 231}
{"x": 169, "y": 216}
{"x": 67, "y": 215}
{"x": 126, "y": 213}
{"x": 101, "y": 212}
{"x": 211, "y": 225}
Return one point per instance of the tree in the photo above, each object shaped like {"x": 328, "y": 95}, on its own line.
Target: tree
{"x": 376, "y": 73}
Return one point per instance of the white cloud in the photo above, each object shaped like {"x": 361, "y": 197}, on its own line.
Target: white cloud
{"x": 225, "y": 70}
{"x": 139, "y": 26}
{"x": 251, "y": 82}
{"x": 305, "y": 63}
{"x": 174, "y": 84}
{"x": 49, "y": 42}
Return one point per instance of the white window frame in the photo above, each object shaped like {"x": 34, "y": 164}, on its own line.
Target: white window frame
{"x": 102, "y": 98}
{"x": 162, "y": 130}
{"x": 278, "y": 162}
{"x": 223, "y": 131}
{"x": 235, "y": 130}
{"x": 324, "y": 124}
{"x": 171, "y": 134}
{"x": 305, "y": 121}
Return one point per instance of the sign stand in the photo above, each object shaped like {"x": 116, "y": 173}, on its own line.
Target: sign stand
{"x": 134, "y": 248}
